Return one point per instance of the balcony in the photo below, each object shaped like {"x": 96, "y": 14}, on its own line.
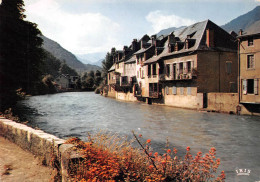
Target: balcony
{"x": 154, "y": 94}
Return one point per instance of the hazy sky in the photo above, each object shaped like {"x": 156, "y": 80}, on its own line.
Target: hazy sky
{"x": 90, "y": 26}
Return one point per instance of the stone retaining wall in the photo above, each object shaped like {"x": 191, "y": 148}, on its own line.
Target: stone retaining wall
{"x": 39, "y": 143}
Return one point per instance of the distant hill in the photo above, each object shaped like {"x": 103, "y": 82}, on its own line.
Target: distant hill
{"x": 92, "y": 58}
{"x": 245, "y": 22}
{"x": 64, "y": 55}
{"x": 168, "y": 31}
{"x": 90, "y": 67}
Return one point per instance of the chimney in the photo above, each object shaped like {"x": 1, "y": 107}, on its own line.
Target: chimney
{"x": 210, "y": 38}
{"x": 135, "y": 45}
{"x": 154, "y": 40}
{"x": 171, "y": 38}
{"x": 142, "y": 43}
{"x": 240, "y": 32}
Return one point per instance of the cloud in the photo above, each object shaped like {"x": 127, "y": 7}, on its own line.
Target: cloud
{"x": 161, "y": 21}
{"x": 79, "y": 33}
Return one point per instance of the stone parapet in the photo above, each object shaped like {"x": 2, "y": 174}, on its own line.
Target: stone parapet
{"x": 41, "y": 144}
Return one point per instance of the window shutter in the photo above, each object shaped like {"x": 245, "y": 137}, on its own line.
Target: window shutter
{"x": 181, "y": 90}
{"x": 256, "y": 86}
{"x": 147, "y": 69}
{"x": 174, "y": 90}
{"x": 185, "y": 67}
{"x": 188, "y": 90}
{"x": 245, "y": 87}
{"x": 192, "y": 65}
{"x": 167, "y": 90}
{"x": 170, "y": 74}
{"x": 178, "y": 68}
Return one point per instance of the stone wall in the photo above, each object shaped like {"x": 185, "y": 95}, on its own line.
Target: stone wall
{"x": 41, "y": 144}
{"x": 223, "y": 102}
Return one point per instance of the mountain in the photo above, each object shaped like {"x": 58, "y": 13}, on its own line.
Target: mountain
{"x": 168, "y": 31}
{"x": 91, "y": 67}
{"x": 245, "y": 22}
{"x": 64, "y": 55}
{"x": 92, "y": 58}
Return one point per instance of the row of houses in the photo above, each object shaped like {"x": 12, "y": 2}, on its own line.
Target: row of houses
{"x": 189, "y": 68}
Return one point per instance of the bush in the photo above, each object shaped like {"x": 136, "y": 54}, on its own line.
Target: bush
{"x": 108, "y": 157}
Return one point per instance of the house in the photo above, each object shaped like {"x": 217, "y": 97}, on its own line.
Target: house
{"x": 193, "y": 62}
{"x": 66, "y": 82}
{"x": 249, "y": 70}
{"x": 122, "y": 79}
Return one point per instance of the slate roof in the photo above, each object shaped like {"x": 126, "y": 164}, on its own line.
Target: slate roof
{"x": 195, "y": 34}
{"x": 113, "y": 67}
{"x": 132, "y": 59}
{"x": 249, "y": 33}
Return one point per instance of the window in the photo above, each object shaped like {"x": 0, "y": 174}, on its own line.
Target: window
{"x": 188, "y": 90}
{"x": 166, "y": 90}
{"x": 154, "y": 69}
{"x": 168, "y": 70}
{"x": 228, "y": 67}
{"x": 174, "y": 90}
{"x": 149, "y": 70}
{"x": 181, "y": 68}
{"x": 181, "y": 90}
{"x": 250, "y": 61}
{"x": 250, "y": 86}
{"x": 189, "y": 66}
{"x": 250, "y": 41}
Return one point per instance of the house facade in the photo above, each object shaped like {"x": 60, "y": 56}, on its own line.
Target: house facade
{"x": 182, "y": 68}
{"x": 195, "y": 61}
{"x": 249, "y": 70}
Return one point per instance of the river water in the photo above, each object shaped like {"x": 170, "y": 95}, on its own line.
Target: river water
{"x": 236, "y": 138}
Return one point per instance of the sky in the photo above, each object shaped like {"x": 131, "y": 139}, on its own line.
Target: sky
{"x": 94, "y": 26}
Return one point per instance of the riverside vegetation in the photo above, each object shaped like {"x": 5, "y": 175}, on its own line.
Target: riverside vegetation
{"x": 108, "y": 157}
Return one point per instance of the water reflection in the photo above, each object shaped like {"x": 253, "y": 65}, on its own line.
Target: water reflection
{"x": 236, "y": 138}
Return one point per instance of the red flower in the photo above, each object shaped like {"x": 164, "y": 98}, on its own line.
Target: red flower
{"x": 169, "y": 151}
{"x": 188, "y": 149}
{"x": 140, "y": 136}
{"x": 148, "y": 141}
{"x": 156, "y": 154}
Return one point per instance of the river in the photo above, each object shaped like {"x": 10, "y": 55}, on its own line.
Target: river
{"x": 236, "y": 138}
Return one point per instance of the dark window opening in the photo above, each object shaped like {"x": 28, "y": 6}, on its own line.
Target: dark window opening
{"x": 181, "y": 68}
{"x": 250, "y": 86}
{"x": 228, "y": 67}
{"x": 149, "y": 70}
{"x": 168, "y": 70}
{"x": 189, "y": 66}
{"x": 250, "y": 41}
{"x": 154, "y": 69}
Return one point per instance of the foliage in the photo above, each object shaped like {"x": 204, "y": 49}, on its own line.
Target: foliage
{"x": 65, "y": 69}
{"x": 107, "y": 63}
{"x": 108, "y": 157}
{"x": 21, "y": 53}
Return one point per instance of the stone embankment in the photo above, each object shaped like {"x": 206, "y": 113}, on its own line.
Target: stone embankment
{"x": 45, "y": 146}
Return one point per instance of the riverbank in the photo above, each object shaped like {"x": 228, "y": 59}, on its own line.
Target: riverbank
{"x": 17, "y": 164}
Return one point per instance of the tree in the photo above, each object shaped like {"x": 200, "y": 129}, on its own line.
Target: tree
{"x": 66, "y": 70}
{"x": 107, "y": 63}
{"x": 20, "y": 51}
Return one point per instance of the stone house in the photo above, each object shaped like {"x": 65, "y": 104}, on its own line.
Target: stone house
{"x": 66, "y": 82}
{"x": 249, "y": 70}
{"x": 193, "y": 61}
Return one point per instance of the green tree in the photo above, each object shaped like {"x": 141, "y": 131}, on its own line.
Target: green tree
{"x": 107, "y": 63}
{"x": 20, "y": 53}
{"x": 66, "y": 70}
